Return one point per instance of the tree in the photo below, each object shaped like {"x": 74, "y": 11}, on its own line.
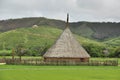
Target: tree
{"x": 20, "y": 50}
{"x": 13, "y": 54}
{"x": 94, "y": 50}
{"x": 117, "y": 52}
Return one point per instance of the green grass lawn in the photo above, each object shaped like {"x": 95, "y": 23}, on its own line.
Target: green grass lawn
{"x": 18, "y": 72}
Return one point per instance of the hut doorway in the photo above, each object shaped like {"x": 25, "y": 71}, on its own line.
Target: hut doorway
{"x": 82, "y": 59}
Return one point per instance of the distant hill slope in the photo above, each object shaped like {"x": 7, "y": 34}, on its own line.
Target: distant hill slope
{"x": 94, "y": 30}
{"x": 31, "y": 37}
{"x": 35, "y": 37}
{"x": 11, "y": 24}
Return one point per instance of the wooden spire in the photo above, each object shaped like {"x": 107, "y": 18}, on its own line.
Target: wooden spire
{"x": 67, "y": 23}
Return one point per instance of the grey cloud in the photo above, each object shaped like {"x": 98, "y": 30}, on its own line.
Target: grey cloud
{"x": 90, "y": 4}
{"x": 84, "y": 10}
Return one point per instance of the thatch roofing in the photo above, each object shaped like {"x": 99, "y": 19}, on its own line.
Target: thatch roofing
{"x": 67, "y": 46}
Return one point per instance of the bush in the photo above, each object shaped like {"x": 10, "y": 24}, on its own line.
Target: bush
{"x": 94, "y": 50}
{"x": 5, "y": 53}
{"x": 117, "y": 52}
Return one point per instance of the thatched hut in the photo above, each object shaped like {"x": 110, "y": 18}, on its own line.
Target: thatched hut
{"x": 66, "y": 48}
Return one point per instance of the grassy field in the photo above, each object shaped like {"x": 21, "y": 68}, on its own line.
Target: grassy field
{"x": 15, "y": 72}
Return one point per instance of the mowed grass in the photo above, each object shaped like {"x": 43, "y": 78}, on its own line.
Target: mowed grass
{"x": 18, "y": 72}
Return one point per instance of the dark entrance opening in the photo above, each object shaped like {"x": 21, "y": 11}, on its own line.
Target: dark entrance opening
{"x": 82, "y": 59}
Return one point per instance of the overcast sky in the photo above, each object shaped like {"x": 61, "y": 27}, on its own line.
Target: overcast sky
{"x": 79, "y": 10}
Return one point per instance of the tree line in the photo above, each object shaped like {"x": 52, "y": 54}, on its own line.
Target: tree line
{"x": 93, "y": 49}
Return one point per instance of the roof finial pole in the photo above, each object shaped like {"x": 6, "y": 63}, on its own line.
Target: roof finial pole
{"x": 67, "y": 24}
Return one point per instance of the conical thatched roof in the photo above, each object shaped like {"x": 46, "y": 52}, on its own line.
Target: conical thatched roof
{"x": 66, "y": 47}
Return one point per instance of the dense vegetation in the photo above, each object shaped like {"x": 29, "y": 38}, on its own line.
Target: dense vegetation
{"x": 94, "y": 30}
{"x": 113, "y": 42}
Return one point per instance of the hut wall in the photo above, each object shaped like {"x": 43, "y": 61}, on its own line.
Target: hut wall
{"x": 66, "y": 59}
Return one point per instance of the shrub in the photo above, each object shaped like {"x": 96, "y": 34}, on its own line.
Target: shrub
{"x": 5, "y": 53}
{"x": 94, "y": 50}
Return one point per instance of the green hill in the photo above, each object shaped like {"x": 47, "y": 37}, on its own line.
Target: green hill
{"x": 35, "y": 37}
{"x": 38, "y": 40}
{"x": 93, "y": 30}
{"x": 31, "y": 37}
